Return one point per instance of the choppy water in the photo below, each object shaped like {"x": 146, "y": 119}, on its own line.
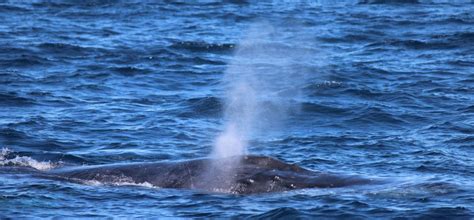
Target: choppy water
{"x": 388, "y": 93}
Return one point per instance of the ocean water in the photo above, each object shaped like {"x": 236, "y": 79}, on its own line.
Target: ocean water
{"x": 379, "y": 89}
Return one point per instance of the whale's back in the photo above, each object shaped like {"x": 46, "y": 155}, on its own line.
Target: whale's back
{"x": 239, "y": 175}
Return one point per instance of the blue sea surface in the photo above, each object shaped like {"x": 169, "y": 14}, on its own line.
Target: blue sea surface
{"x": 387, "y": 93}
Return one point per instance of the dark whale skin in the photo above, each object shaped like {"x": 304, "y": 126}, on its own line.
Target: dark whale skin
{"x": 237, "y": 175}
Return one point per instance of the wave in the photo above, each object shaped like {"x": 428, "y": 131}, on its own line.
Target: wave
{"x": 375, "y": 116}
{"x": 468, "y": 109}
{"x": 24, "y": 161}
{"x": 208, "y": 106}
{"x": 280, "y": 213}
{"x": 66, "y": 49}
{"x": 323, "y": 109}
{"x": 389, "y": 2}
{"x": 24, "y": 61}
{"x": 434, "y": 42}
{"x": 195, "y": 46}
{"x": 8, "y": 77}
{"x": 414, "y": 44}
{"x": 130, "y": 70}
{"x": 11, "y": 8}
{"x": 448, "y": 126}
{"x": 14, "y": 99}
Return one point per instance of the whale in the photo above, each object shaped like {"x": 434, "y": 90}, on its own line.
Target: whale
{"x": 249, "y": 174}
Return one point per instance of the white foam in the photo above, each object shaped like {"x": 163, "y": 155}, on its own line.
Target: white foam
{"x": 24, "y": 161}
{"x": 119, "y": 183}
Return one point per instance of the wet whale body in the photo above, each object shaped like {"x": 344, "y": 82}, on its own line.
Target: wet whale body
{"x": 236, "y": 175}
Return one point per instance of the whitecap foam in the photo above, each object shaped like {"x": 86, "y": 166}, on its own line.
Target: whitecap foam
{"x": 24, "y": 161}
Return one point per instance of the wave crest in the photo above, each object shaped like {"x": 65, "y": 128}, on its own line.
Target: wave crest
{"x": 25, "y": 161}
